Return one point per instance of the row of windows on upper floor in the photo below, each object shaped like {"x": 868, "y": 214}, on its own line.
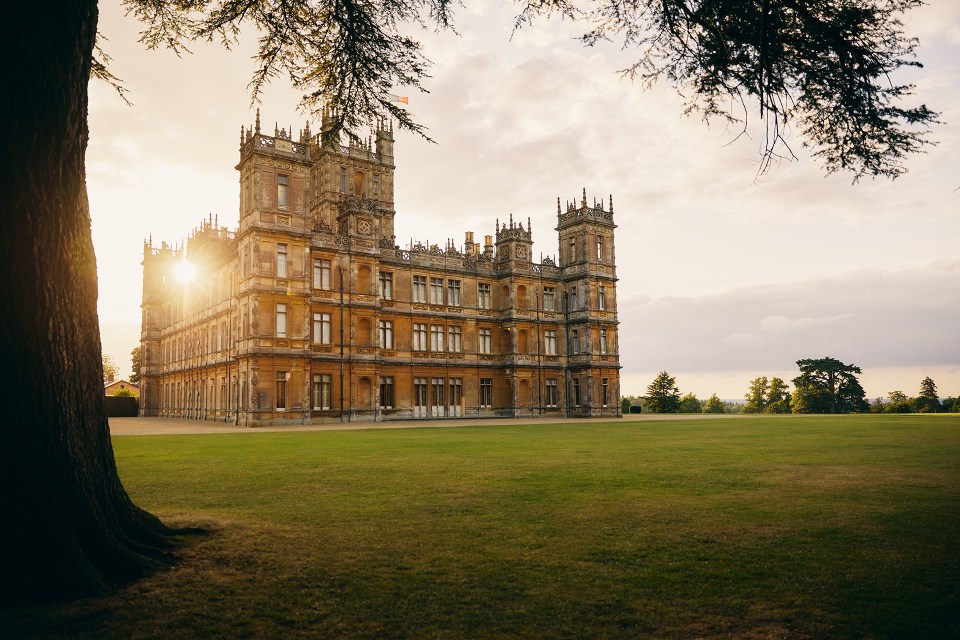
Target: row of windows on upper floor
{"x": 438, "y": 338}
{"x": 430, "y": 290}
{"x": 356, "y": 187}
{"x": 600, "y": 247}
{"x": 424, "y": 289}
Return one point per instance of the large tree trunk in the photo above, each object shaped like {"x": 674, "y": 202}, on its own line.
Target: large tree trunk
{"x": 67, "y": 527}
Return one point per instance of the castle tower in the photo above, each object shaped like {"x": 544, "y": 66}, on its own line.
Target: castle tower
{"x": 352, "y": 185}
{"x": 158, "y": 272}
{"x": 514, "y": 246}
{"x": 588, "y": 273}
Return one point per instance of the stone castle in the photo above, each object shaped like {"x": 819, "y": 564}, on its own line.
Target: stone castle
{"x": 310, "y": 312}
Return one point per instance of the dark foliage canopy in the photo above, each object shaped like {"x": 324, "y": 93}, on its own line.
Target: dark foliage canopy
{"x": 663, "y": 396}
{"x": 825, "y": 68}
{"x": 826, "y": 385}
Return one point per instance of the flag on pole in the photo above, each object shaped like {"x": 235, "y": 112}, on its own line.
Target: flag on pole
{"x": 404, "y": 99}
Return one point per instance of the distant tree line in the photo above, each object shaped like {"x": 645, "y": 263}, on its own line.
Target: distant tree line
{"x": 825, "y": 385}
{"x": 927, "y": 401}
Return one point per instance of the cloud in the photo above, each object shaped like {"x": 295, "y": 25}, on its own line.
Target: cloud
{"x": 871, "y": 317}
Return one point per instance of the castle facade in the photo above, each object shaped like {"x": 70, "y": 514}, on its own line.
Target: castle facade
{"x": 310, "y": 312}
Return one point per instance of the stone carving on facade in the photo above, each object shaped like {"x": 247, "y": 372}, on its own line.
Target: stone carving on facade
{"x": 256, "y": 254}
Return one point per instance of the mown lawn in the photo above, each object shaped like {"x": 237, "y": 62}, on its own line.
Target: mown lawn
{"x": 792, "y": 527}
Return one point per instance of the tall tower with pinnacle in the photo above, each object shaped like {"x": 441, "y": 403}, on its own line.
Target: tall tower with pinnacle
{"x": 588, "y": 272}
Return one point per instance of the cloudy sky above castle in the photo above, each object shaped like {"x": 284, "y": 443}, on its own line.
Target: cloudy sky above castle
{"x": 724, "y": 275}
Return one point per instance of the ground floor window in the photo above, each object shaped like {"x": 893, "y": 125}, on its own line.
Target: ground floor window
{"x": 575, "y": 395}
{"x": 386, "y": 392}
{"x": 281, "y": 390}
{"x": 604, "y": 390}
{"x": 486, "y": 393}
{"x": 456, "y": 396}
{"x": 322, "y": 391}
{"x": 436, "y": 407}
{"x": 420, "y": 397}
{"x": 552, "y": 395}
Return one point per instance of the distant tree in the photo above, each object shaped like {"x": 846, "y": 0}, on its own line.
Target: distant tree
{"x": 899, "y": 402}
{"x": 878, "y": 405}
{"x": 956, "y": 406}
{"x": 778, "y": 397}
{"x": 928, "y": 401}
{"x": 732, "y": 407}
{"x": 690, "y": 404}
{"x": 826, "y": 385}
{"x": 110, "y": 368}
{"x": 946, "y": 404}
{"x": 663, "y": 396}
{"x": 136, "y": 361}
{"x": 123, "y": 392}
{"x": 624, "y": 406}
{"x": 713, "y": 405}
{"x": 756, "y": 397}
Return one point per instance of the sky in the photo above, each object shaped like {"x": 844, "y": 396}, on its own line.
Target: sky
{"x": 724, "y": 275}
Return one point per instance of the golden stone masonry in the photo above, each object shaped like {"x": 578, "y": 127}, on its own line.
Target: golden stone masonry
{"x": 310, "y": 312}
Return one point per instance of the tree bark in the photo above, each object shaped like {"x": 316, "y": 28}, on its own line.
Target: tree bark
{"x": 67, "y": 526}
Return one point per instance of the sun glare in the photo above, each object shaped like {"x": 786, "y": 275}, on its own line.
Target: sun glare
{"x": 185, "y": 271}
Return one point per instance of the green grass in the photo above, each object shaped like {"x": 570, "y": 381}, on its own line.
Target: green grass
{"x": 797, "y": 527}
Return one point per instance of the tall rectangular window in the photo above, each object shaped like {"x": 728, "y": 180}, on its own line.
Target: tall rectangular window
{"x": 576, "y": 392}
{"x": 550, "y": 342}
{"x": 419, "y": 337}
{"x": 281, "y": 192}
{"x": 386, "y": 334}
{"x": 419, "y": 288}
{"x": 573, "y": 250}
{"x": 603, "y": 340}
{"x": 486, "y": 393}
{"x": 343, "y": 180}
{"x": 483, "y": 295}
{"x": 573, "y": 299}
{"x": 437, "y": 395}
{"x": 321, "y": 274}
{"x": 281, "y": 261}
{"x": 281, "y": 390}
{"x": 386, "y": 392}
{"x": 453, "y": 293}
{"x": 281, "y": 321}
{"x": 456, "y": 396}
{"x": 549, "y": 299}
{"x": 376, "y": 186}
{"x": 386, "y": 285}
{"x": 322, "y": 391}
{"x": 574, "y": 342}
{"x": 552, "y": 397}
{"x": 604, "y": 391}
{"x": 454, "y": 339}
{"x": 602, "y": 298}
{"x": 486, "y": 341}
{"x": 420, "y": 394}
{"x": 600, "y": 252}
{"x": 436, "y": 290}
{"x": 321, "y": 328}
{"x": 436, "y": 337}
